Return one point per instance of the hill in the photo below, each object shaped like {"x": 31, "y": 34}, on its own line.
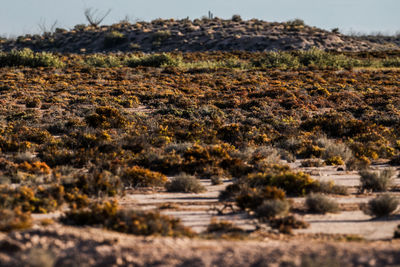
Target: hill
{"x": 194, "y": 36}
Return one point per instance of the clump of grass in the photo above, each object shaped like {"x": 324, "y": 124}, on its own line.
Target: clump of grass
{"x": 318, "y": 203}
{"x": 185, "y": 183}
{"x": 156, "y": 60}
{"x": 382, "y": 206}
{"x": 28, "y": 58}
{"x": 376, "y": 181}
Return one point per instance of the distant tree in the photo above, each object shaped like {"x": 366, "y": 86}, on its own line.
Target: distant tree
{"x": 93, "y": 16}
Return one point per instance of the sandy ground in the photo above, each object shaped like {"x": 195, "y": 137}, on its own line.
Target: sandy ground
{"x": 347, "y": 238}
{"x": 197, "y": 210}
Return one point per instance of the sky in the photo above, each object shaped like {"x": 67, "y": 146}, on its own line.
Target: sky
{"x": 19, "y": 17}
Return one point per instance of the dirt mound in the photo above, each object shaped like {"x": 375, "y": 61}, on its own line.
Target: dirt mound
{"x": 198, "y": 35}
{"x": 68, "y": 246}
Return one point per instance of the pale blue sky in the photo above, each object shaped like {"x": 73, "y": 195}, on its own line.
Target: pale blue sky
{"x": 23, "y": 16}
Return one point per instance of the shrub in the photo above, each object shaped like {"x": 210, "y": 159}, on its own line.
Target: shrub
{"x": 382, "y": 206}
{"x": 295, "y": 23}
{"x": 96, "y": 183}
{"x": 223, "y": 227}
{"x": 312, "y": 163}
{"x": 283, "y": 60}
{"x": 252, "y": 198}
{"x": 334, "y": 152}
{"x": 331, "y": 188}
{"x": 28, "y": 58}
{"x": 156, "y": 60}
{"x": 103, "y": 61}
{"x": 321, "y": 59}
{"x": 272, "y": 208}
{"x": 106, "y": 117}
{"x": 185, "y": 183}
{"x": 236, "y": 18}
{"x": 114, "y": 38}
{"x": 377, "y": 181}
{"x": 334, "y": 161}
{"x": 32, "y": 102}
{"x": 140, "y": 177}
{"x": 295, "y": 184}
{"x": 14, "y": 219}
{"x": 160, "y": 36}
{"x": 287, "y": 224}
{"x": 391, "y": 62}
{"x": 318, "y": 203}
{"x": 110, "y": 216}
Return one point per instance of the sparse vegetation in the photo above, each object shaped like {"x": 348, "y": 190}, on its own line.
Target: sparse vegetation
{"x": 272, "y": 208}
{"x": 185, "y": 183}
{"x": 287, "y": 224}
{"x": 156, "y": 60}
{"x": 318, "y": 203}
{"x": 376, "y": 181}
{"x": 110, "y": 216}
{"x": 28, "y": 58}
{"x": 114, "y": 38}
{"x": 382, "y": 206}
{"x": 15, "y": 219}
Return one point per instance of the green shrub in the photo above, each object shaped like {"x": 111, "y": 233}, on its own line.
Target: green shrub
{"x": 160, "y": 36}
{"x": 321, "y": 59}
{"x": 272, "y": 208}
{"x": 318, "y": 203}
{"x": 114, "y": 38}
{"x": 140, "y": 177}
{"x": 156, "y": 60}
{"x": 377, "y": 181}
{"x": 103, "y": 61}
{"x": 185, "y": 183}
{"x": 28, "y": 58}
{"x": 391, "y": 62}
{"x": 382, "y": 206}
{"x": 282, "y": 60}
